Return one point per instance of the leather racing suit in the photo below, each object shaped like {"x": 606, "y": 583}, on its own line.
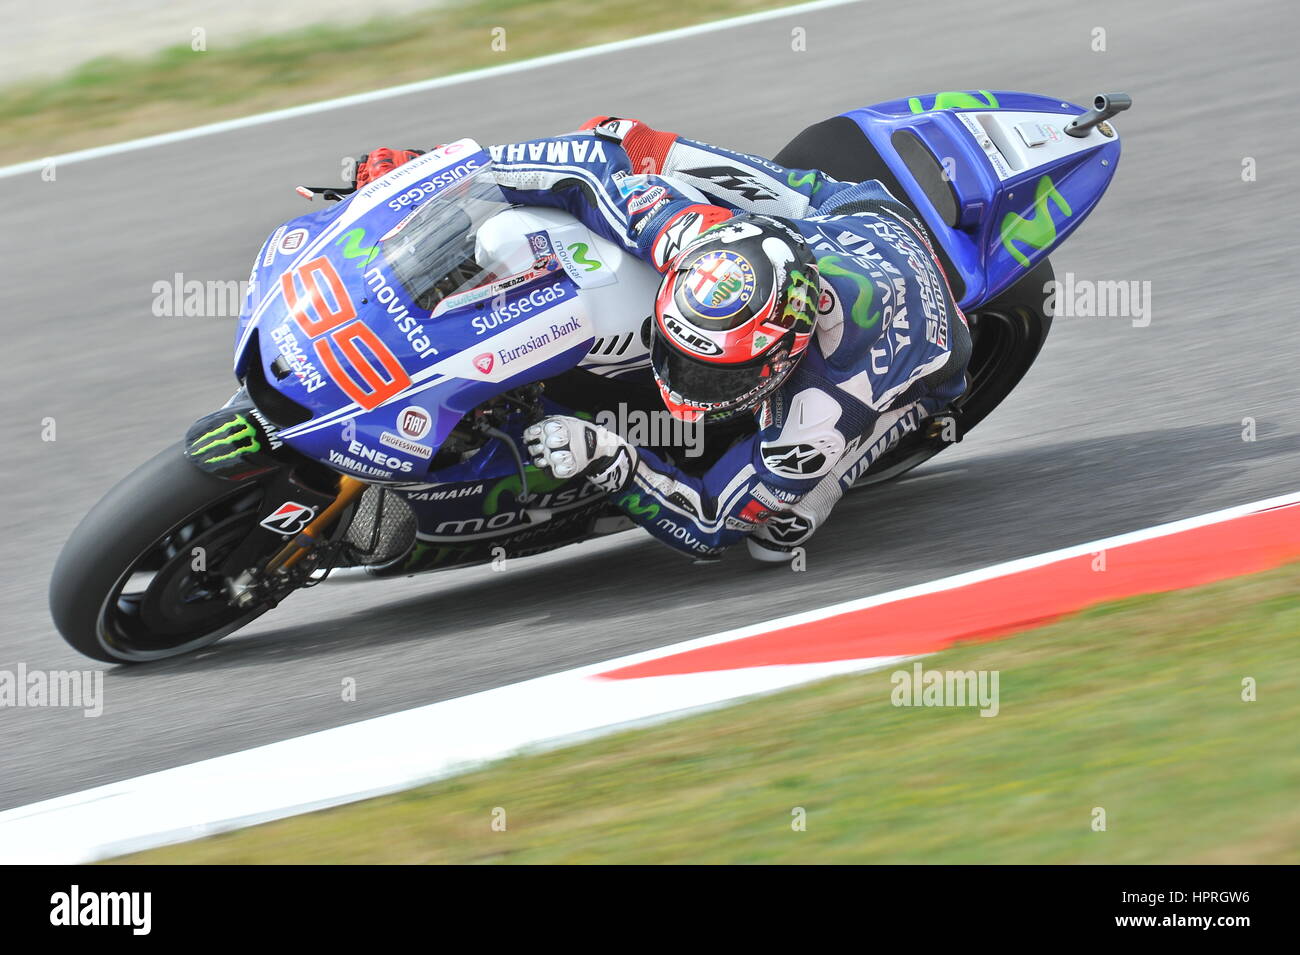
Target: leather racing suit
{"x": 889, "y": 350}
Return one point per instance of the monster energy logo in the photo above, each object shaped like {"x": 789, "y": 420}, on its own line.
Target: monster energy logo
{"x": 799, "y": 298}
{"x": 228, "y": 437}
{"x": 1038, "y": 230}
{"x": 955, "y": 100}
{"x": 353, "y": 249}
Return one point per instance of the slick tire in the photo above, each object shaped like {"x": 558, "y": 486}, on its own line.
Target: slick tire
{"x": 151, "y": 523}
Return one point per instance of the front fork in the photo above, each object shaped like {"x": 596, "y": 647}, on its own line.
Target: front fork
{"x": 239, "y": 444}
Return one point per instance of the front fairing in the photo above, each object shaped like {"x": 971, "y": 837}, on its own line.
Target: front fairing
{"x": 381, "y": 367}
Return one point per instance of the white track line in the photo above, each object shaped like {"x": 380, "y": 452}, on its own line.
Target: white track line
{"x": 390, "y": 753}
{"x": 472, "y": 76}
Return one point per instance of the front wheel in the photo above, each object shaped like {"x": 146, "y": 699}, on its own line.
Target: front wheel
{"x": 131, "y": 583}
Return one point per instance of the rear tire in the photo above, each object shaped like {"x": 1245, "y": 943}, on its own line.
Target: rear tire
{"x": 150, "y": 523}
{"x": 1007, "y": 334}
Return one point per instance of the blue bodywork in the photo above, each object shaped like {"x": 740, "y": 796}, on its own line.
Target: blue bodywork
{"x": 982, "y": 241}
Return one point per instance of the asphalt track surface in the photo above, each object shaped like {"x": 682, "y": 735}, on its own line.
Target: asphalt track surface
{"x": 1117, "y": 427}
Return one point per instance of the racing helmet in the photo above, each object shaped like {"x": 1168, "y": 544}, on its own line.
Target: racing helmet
{"x": 735, "y": 311}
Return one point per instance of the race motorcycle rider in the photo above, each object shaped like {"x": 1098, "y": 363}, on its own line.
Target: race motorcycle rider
{"x": 815, "y": 305}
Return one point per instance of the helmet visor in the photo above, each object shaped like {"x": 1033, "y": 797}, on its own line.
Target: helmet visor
{"x": 708, "y": 385}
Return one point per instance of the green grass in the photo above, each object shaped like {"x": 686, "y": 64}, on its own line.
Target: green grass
{"x": 1135, "y": 707}
{"x": 111, "y": 99}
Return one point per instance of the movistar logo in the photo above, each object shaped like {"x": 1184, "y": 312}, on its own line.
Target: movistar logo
{"x": 955, "y": 100}
{"x": 353, "y": 249}
{"x": 860, "y": 311}
{"x": 579, "y": 252}
{"x": 538, "y": 482}
{"x": 1039, "y": 230}
{"x": 230, "y": 438}
{"x": 631, "y": 503}
{"x": 808, "y": 178}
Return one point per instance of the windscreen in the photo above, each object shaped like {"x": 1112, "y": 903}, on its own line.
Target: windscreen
{"x": 431, "y": 253}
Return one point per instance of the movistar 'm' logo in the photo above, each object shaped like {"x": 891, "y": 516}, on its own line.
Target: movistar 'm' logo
{"x": 579, "y": 252}
{"x": 354, "y": 250}
{"x": 955, "y": 99}
{"x": 860, "y": 311}
{"x": 539, "y": 482}
{"x": 234, "y": 437}
{"x": 1039, "y": 230}
{"x": 808, "y": 178}
{"x": 631, "y": 503}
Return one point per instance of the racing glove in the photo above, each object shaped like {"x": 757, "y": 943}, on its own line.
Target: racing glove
{"x": 567, "y": 447}
{"x": 380, "y": 161}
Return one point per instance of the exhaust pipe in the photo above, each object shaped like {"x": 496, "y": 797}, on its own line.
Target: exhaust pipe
{"x": 1104, "y": 106}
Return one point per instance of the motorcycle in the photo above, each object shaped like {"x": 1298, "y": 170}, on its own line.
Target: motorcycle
{"x": 393, "y": 346}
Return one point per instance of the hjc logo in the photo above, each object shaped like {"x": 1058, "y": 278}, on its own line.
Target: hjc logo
{"x": 690, "y": 338}
{"x": 484, "y": 362}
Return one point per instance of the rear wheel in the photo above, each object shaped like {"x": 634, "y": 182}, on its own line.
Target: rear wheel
{"x": 1006, "y": 336}
{"x": 132, "y": 583}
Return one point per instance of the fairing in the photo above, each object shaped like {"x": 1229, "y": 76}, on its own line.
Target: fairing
{"x": 386, "y": 320}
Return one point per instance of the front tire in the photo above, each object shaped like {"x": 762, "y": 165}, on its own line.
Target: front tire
{"x": 125, "y": 588}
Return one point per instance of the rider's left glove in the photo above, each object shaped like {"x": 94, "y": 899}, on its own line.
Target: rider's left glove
{"x": 568, "y": 447}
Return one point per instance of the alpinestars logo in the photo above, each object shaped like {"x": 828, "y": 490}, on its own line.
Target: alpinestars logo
{"x": 682, "y": 231}
{"x": 793, "y": 459}
{"x": 727, "y": 177}
{"x": 787, "y": 529}
{"x": 288, "y": 518}
{"x": 614, "y": 475}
